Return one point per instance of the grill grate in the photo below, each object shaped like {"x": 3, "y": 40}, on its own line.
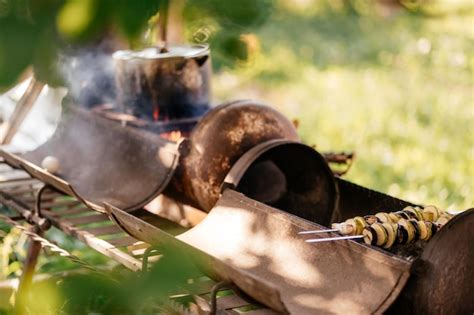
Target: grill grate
{"x": 18, "y": 192}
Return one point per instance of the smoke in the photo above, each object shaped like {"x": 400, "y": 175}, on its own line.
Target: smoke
{"x": 151, "y": 88}
{"x": 89, "y": 76}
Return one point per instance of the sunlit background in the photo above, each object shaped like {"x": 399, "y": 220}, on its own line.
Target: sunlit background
{"x": 390, "y": 80}
{"x": 393, "y": 85}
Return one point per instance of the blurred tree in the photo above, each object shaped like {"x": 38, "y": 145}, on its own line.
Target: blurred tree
{"x": 32, "y": 32}
{"x": 115, "y": 292}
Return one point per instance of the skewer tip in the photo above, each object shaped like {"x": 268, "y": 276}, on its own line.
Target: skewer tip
{"x": 337, "y": 238}
{"x": 317, "y": 231}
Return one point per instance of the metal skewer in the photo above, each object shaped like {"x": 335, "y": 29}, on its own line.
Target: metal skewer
{"x": 163, "y": 24}
{"x": 318, "y": 231}
{"x": 337, "y": 238}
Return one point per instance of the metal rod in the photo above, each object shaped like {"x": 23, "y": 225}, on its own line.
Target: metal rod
{"x": 317, "y": 231}
{"x": 22, "y": 109}
{"x": 215, "y": 289}
{"x": 337, "y": 238}
{"x": 29, "y": 266}
{"x": 146, "y": 256}
{"x": 44, "y": 223}
{"x": 10, "y": 202}
{"x": 163, "y": 24}
{"x": 39, "y": 195}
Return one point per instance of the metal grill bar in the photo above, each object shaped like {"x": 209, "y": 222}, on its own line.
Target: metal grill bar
{"x": 69, "y": 211}
{"x": 95, "y": 218}
{"x": 104, "y": 230}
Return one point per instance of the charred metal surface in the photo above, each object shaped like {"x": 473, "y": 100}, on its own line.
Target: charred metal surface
{"x": 101, "y": 161}
{"x": 153, "y": 85}
{"x": 289, "y": 176}
{"x": 355, "y": 200}
{"x": 443, "y": 277}
{"x": 221, "y": 137}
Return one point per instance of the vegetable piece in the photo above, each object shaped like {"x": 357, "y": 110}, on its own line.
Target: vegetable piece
{"x": 413, "y": 213}
{"x": 383, "y": 217}
{"x": 431, "y": 213}
{"x": 391, "y": 230}
{"x": 402, "y": 215}
{"x": 371, "y": 219}
{"x": 402, "y": 234}
{"x": 370, "y": 236}
{"x": 409, "y": 228}
{"x": 444, "y": 218}
{"x": 381, "y": 234}
{"x": 423, "y": 231}
{"x": 360, "y": 224}
{"x": 414, "y": 223}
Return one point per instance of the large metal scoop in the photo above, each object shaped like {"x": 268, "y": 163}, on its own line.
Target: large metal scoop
{"x": 102, "y": 161}
{"x": 258, "y": 248}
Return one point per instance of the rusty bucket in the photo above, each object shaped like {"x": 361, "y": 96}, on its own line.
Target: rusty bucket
{"x": 160, "y": 85}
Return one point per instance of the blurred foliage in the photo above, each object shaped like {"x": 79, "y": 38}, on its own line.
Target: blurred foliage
{"x": 395, "y": 85}
{"x": 222, "y": 26}
{"x": 32, "y": 32}
{"x": 111, "y": 292}
{"x": 13, "y": 246}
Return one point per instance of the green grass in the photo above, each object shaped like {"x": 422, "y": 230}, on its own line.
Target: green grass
{"x": 398, "y": 90}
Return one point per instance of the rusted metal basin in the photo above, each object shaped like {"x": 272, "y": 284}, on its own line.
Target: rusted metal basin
{"x": 101, "y": 161}
{"x": 261, "y": 249}
{"x": 289, "y": 176}
{"x": 443, "y": 276}
{"x": 222, "y": 136}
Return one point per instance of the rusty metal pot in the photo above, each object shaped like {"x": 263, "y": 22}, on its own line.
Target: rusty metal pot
{"x": 222, "y": 136}
{"x": 156, "y": 85}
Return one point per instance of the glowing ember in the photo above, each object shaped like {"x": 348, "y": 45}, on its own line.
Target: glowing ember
{"x": 156, "y": 112}
{"x": 174, "y": 135}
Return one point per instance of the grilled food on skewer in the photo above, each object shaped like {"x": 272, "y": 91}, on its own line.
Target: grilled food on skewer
{"x": 389, "y": 229}
{"x": 355, "y": 226}
{"x": 387, "y": 235}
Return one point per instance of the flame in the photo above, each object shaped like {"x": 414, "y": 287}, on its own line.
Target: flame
{"x": 174, "y": 135}
{"x": 156, "y": 112}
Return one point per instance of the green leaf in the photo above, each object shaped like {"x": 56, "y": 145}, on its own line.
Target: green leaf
{"x": 77, "y": 20}
{"x": 242, "y": 14}
{"x": 17, "y": 44}
{"x": 132, "y": 16}
{"x": 14, "y": 267}
{"x": 43, "y": 12}
{"x": 45, "y": 59}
